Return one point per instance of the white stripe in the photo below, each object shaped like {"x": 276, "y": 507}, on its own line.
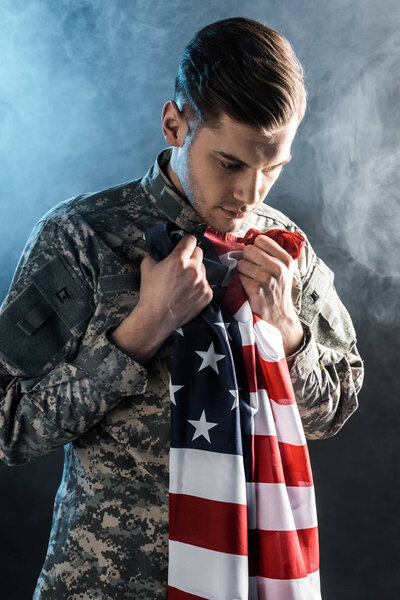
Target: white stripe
{"x": 277, "y": 507}
{"x": 300, "y": 498}
{"x": 253, "y": 595}
{"x": 269, "y": 341}
{"x": 289, "y": 428}
{"x": 230, "y": 259}
{"x": 263, "y": 417}
{"x": 282, "y": 420}
{"x": 251, "y": 505}
{"x": 244, "y": 314}
{"x": 207, "y": 573}
{"x": 307, "y": 588}
{"x": 246, "y": 333}
{"x": 205, "y": 474}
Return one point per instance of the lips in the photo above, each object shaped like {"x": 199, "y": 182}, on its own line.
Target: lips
{"x": 235, "y": 214}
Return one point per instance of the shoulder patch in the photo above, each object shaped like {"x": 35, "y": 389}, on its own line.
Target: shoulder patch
{"x": 50, "y": 310}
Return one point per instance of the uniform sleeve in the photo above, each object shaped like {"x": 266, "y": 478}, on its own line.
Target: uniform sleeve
{"x": 51, "y": 389}
{"x": 327, "y": 372}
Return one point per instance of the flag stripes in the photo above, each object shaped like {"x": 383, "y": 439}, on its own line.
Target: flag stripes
{"x": 300, "y": 547}
{"x": 289, "y": 464}
{"x": 243, "y": 520}
{"x": 200, "y": 572}
{"x": 190, "y": 471}
{"x": 208, "y": 523}
{"x": 276, "y": 507}
{"x": 261, "y": 588}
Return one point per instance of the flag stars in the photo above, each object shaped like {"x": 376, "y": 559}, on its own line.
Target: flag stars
{"x": 210, "y": 358}
{"x": 235, "y": 394}
{"x": 202, "y": 427}
{"x": 172, "y": 390}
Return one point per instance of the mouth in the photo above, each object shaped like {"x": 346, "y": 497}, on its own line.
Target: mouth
{"x": 235, "y": 215}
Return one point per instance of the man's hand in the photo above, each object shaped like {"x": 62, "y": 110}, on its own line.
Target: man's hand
{"x": 266, "y": 273}
{"x": 172, "y": 292}
{"x": 175, "y": 290}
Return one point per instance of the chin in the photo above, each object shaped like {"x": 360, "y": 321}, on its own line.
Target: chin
{"x": 219, "y": 226}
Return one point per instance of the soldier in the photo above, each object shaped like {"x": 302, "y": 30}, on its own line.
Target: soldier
{"x": 88, "y": 323}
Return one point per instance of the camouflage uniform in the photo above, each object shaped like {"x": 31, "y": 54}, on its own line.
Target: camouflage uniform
{"x": 63, "y": 382}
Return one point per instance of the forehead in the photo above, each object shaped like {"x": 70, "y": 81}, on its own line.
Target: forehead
{"x": 247, "y": 142}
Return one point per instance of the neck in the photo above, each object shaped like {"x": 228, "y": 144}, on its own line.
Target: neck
{"x": 171, "y": 173}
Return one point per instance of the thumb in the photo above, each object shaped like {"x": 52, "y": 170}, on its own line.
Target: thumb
{"x": 147, "y": 263}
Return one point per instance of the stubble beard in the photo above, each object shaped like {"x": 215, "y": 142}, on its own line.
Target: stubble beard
{"x": 197, "y": 199}
{"x": 196, "y": 196}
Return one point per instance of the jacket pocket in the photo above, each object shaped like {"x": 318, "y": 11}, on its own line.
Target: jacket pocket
{"x": 50, "y": 309}
{"x": 324, "y": 312}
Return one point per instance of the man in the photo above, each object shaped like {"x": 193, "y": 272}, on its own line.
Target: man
{"x": 88, "y": 324}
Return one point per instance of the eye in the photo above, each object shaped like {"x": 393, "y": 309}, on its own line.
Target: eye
{"x": 226, "y": 165}
{"x": 276, "y": 171}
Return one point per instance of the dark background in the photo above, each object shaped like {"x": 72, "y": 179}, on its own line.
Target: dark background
{"x": 82, "y": 84}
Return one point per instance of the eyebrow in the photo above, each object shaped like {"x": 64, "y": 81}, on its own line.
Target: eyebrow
{"x": 241, "y": 162}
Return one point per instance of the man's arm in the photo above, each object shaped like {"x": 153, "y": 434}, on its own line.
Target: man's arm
{"x": 51, "y": 390}
{"x": 326, "y": 383}
{"x": 327, "y": 372}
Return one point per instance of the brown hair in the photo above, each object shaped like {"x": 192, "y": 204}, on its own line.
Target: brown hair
{"x": 244, "y": 69}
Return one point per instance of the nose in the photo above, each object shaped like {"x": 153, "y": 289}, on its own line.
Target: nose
{"x": 249, "y": 188}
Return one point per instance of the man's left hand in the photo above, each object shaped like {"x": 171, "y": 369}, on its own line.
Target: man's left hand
{"x": 266, "y": 273}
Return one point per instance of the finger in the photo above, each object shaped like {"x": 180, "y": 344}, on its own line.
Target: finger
{"x": 147, "y": 263}
{"x": 254, "y": 271}
{"x": 262, "y": 259}
{"x": 273, "y": 248}
{"x": 244, "y": 267}
{"x": 185, "y": 246}
{"x": 197, "y": 254}
{"x": 256, "y": 255}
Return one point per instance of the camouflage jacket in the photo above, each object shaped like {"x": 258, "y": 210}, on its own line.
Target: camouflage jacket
{"x": 63, "y": 382}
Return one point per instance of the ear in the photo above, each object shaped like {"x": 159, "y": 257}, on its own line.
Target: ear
{"x": 174, "y": 124}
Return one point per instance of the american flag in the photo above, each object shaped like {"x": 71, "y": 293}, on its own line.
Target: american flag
{"x": 242, "y": 513}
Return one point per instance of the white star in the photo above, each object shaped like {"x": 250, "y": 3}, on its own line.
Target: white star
{"x": 210, "y": 359}
{"x": 224, "y": 326}
{"x": 235, "y": 394}
{"x": 172, "y": 390}
{"x": 202, "y": 427}
{"x": 180, "y": 330}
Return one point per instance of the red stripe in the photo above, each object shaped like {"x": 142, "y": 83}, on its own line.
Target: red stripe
{"x": 274, "y": 376}
{"x": 220, "y": 526}
{"x": 175, "y": 594}
{"x": 271, "y": 376}
{"x": 234, "y": 296}
{"x": 256, "y": 318}
{"x": 283, "y": 554}
{"x": 278, "y": 462}
{"x": 249, "y": 358}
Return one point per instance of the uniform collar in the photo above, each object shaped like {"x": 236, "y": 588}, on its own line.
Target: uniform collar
{"x": 165, "y": 198}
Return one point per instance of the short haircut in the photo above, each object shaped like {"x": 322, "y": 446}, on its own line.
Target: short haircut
{"x": 242, "y": 68}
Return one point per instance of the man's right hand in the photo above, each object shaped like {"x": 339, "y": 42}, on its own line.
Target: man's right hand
{"x": 172, "y": 292}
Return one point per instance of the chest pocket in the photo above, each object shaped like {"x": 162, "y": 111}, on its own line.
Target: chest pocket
{"x": 37, "y": 327}
{"x": 324, "y": 312}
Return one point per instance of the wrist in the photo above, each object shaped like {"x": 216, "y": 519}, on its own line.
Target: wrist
{"x": 140, "y": 335}
{"x": 292, "y": 335}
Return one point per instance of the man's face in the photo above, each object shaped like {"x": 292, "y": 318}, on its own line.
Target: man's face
{"x": 226, "y": 174}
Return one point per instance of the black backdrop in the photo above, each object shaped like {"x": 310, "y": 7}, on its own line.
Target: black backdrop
{"x": 82, "y": 84}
